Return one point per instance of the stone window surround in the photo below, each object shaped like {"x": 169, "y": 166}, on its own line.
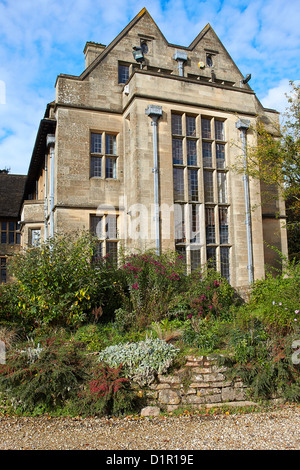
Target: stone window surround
{"x": 103, "y": 156}
{"x": 216, "y": 167}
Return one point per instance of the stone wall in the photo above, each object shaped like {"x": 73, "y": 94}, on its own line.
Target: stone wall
{"x": 200, "y": 382}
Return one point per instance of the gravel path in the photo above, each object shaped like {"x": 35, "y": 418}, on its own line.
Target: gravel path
{"x": 278, "y": 429}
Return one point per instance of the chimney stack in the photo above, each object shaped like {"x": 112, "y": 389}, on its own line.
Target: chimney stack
{"x": 91, "y": 51}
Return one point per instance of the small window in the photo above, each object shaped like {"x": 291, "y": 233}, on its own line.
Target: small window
{"x": 210, "y": 225}
{"x": 191, "y": 152}
{"x": 9, "y": 233}
{"x": 207, "y": 154}
{"x": 177, "y": 151}
{"x": 193, "y": 185}
{"x": 220, "y": 155}
{"x": 110, "y": 144}
{"x": 123, "y": 73}
{"x": 103, "y": 155}
{"x": 206, "y": 128}
{"x": 105, "y": 228}
{"x": 208, "y": 186}
{"x": 223, "y": 225}
{"x": 219, "y": 130}
{"x": 178, "y": 181}
{"x": 176, "y": 124}
{"x": 225, "y": 263}
{"x": 195, "y": 259}
{"x": 195, "y": 223}
{"x": 2, "y": 270}
{"x": 191, "y": 126}
{"x": 222, "y": 190}
{"x": 211, "y": 257}
{"x": 144, "y": 47}
{"x": 96, "y": 143}
{"x": 35, "y": 238}
{"x": 209, "y": 60}
{"x": 179, "y": 223}
{"x": 110, "y": 168}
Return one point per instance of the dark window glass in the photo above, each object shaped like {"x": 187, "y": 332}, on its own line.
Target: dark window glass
{"x": 123, "y": 73}
{"x": 96, "y": 166}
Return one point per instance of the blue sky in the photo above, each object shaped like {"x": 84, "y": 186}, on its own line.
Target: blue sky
{"x": 40, "y": 39}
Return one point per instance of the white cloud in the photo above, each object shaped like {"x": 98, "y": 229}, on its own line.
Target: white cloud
{"x": 276, "y": 97}
{"x": 41, "y": 38}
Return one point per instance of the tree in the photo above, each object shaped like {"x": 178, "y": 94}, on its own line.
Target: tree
{"x": 275, "y": 161}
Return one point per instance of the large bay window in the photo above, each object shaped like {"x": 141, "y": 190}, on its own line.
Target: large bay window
{"x": 200, "y": 191}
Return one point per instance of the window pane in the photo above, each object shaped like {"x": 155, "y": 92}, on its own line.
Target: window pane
{"x": 112, "y": 251}
{"x": 220, "y": 154}
{"x": 178, "y": 184}
{"x": 222, "y": 193}
{"x": 193, "y": 185}
{"x": 195, "y": 259}
{"x": 190, "y": 126}
{"x": 177, "y": 151}
{"x": 208, "y": 186}
{"x": 3, "y": 237}
{"x": 96, "y": 226}
{"x": 210, "y": 225}
{"x": 11, "y": 226}
{"x": 194, "y": 223}
{"x": 123, "y": 73}
{"x": 3, "y": 226}
{"x": 205, "y": 127}
{"x": 111, "y": 144}
{"x": 211, "y": 257}
{"x": 36, "y": 237}
{"x": 181, "y": 250}
{"x": 206, "y": 154}
{"x": 219, "y": 130}
{"x": 11, "y": 238}
{"x": 225, "y": 265}
{"x": 176, "y": 124}
{"x": 96, "y": 143}
{"x": 97, "y": 252}
{"x": 191, "y": 152}
{"x": 96, "y": 166}
{"x": 223, "y": 225}
{"x": 2, "y": 275}
{"x": 179, "y": 223}
{"x": 110, "y": 168}
{"x": 111, "y": 226}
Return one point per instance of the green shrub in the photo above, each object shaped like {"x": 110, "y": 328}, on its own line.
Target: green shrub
{"x": 205, "y": 335}
{"x": 44, "y": 376}
{"x": 141, "y": 361}
{"x": 275, "y": 301}
{"x": 207, "y": 295}
{"x": 149, "y": 285}
{"x": 57, "y": 284}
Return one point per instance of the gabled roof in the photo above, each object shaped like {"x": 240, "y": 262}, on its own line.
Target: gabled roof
{"x": 11, "y": 194}
{"x": 123, "y": 33}
{"x": 144, "y": 12}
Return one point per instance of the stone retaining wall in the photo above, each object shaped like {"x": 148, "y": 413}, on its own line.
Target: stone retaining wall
{"x": 200, "y": 382}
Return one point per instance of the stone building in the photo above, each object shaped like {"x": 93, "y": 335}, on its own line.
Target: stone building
{"x": 11, "y": 196}
{"x": 138, "y": 149}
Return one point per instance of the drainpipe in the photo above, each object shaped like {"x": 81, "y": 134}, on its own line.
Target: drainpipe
{"x": 181, "y": 57}
{"x": 51, "y": 144}
{"x": 243, "y": 125}
{"x": 46, "y": 197}
{"x": 155, "y": 112}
